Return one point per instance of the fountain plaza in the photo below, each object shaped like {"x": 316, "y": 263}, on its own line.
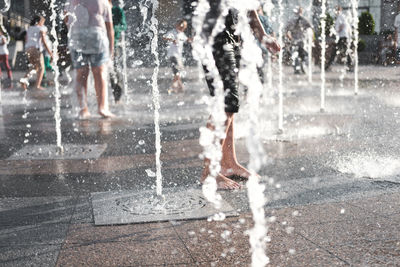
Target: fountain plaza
{"x": 332, "y": 178}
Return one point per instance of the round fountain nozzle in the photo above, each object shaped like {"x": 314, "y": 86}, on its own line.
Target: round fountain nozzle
{"x": 279, "y": 132}
{"x": 322, "y": 110}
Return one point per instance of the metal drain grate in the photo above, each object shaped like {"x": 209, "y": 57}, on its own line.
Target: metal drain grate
{"x": 71, "y": 151}
{"x": 125, "y": 207}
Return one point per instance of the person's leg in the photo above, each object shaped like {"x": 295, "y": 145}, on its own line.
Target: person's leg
{"x": 229, "y": 163}
{"x": 8, "y": 68}
{"x": 332, "y": 56}
{"x": 31, "y": 68}
{"x": 81, "y": 90}
{"x": 40, "y": 70}
{"x": 100, "y": 84}
{"x": 223, "y": 182}
{"x": 2, "y": 60}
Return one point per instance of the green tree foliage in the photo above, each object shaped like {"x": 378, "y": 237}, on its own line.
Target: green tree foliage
{"x": 366, "y": 24}
{"x": 328, "y": 26}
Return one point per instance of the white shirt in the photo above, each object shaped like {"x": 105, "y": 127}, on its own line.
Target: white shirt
{"x": 397, "y": 25}
{"x": 33, "y": 37}
{"x": 3, "y": 45}
{"x": 342, "y": 20}
{"x": 86, "y": 22}
{"x": 175, "y": 49}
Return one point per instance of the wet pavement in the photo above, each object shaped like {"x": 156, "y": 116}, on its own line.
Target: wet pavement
{"x": 332, "y": 179}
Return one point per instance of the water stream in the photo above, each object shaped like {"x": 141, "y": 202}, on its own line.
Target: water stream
{"x": 354, "y": 5}
{"x": 280, "y": 61}
{"x": 323, "y": 53}
{"x": 57, "y": 94}
{"x": 156, "y": 94}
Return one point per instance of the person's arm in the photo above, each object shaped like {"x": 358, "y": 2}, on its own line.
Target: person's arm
{"x": 110, "y": 35}
{"x": 268, "y": 41}
{"x": 43, "y": 37}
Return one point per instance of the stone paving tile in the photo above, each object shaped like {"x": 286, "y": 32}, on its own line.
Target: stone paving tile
{"x": 162, "y": 252}
{"x": 330, "y": 212}
{"x": 385, "y": 204}
{"x": 377, "y": 253}
{"x": 83, "y": 211}
{"x": 315, "y": 257}
{"x": 37, "y": 210}
{"x": 28, "y": 255}
{"x": 135, "y": 233}
{"x": 33, "y": 234}
{"x": 210, "y": 241}
{"x": 348, "y": 232}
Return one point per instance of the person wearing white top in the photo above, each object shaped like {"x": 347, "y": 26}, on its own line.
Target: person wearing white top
{"x": 343, "y": 32}
{"x": 91, "y": 42}
{"x": 397, "y": 36}
{"x": 176, "y": 39}
{"x": 4, "y": 39}
{"x": 35, "y": 43}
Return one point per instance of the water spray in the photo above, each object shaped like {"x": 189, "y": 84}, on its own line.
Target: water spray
{"x": 156, "y": 95}
{"x": 57, "y": 94}
{"x": 323, "y": 53}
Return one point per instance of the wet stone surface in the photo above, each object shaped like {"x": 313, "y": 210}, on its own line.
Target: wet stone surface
{"x": 332, "y": 178}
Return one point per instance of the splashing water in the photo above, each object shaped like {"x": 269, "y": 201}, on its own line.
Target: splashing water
{"x": 323, "y": 53}
{"x": 5, "y": 5}
{"x": 210, "y": 140}
{"x": 57, "y": 94}
{"x": 156, "y": 95}
{"x": 368, "y": 164}
{"x": 251, "y": 57}
{"x": 354, "y": 4}
{"x": 124, "y": 66}
{"x": 280, "y": 86}
{"x": 309, "y": 48}
{"x": 310, "y": 35}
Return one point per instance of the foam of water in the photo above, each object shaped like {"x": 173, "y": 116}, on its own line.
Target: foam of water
{"x": 368, "y": 164}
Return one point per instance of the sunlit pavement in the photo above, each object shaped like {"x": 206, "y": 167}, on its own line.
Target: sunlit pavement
{"x": 333, "y": 200}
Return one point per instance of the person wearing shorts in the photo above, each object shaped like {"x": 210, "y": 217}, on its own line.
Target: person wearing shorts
{"x": 226, "y": 53}
{"x": 91, "y": 43}
{"x": 35, "y": 43}
{"x": 176, "y": 38}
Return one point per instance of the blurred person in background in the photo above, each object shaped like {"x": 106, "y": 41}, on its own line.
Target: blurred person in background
{"x": 34, "y": 45}
{"x": 4, "y": 40}
{"x": 91, "y": 44}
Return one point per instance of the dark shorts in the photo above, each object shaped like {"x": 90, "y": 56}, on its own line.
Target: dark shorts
{"x": 227, "y": 59}
{"x": 176, "y": 65}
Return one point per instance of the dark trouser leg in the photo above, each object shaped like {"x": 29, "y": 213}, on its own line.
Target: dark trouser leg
{"x": 332, "y": 56}
{"x": 116, "y": 75}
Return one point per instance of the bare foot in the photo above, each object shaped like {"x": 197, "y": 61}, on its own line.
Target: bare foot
{"x": 84, "y": 114}
{"x": 236, "y": 170}
{"x": 40, "y": 88}
{"x": 106, "y": 114}
{"x": 24, "y": 83}
{"x": 225, "y": 183}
